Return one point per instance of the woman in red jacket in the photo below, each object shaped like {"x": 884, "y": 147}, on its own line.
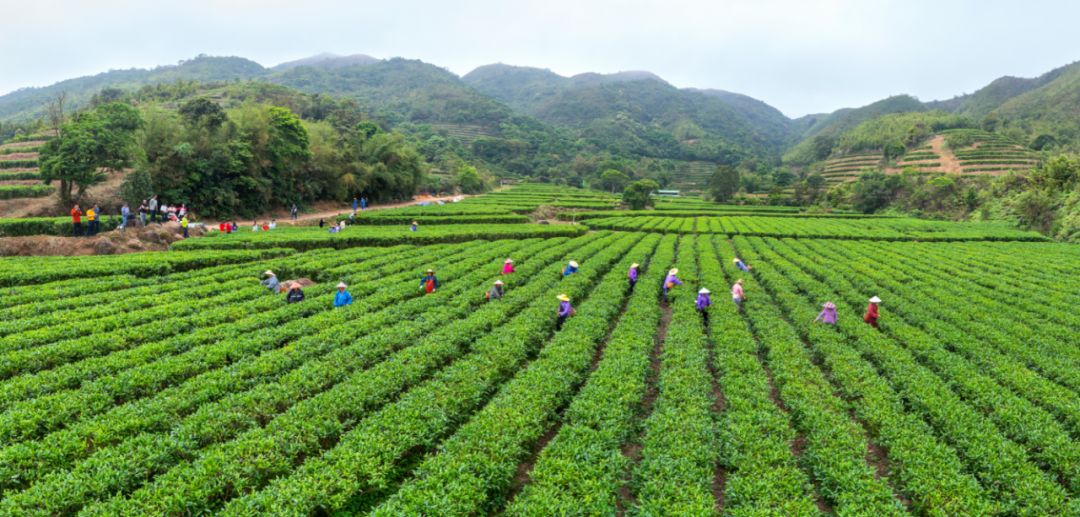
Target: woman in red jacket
{"x": 871, "y": 315}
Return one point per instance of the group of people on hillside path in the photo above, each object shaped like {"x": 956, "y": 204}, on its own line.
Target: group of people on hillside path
{"x": 148, "y": 209}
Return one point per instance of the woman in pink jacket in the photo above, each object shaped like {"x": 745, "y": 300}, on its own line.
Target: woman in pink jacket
{"x": 508, "y": 267}
{"x": 737, "y": 294}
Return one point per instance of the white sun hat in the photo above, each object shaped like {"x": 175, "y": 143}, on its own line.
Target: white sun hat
{"x": 875, "y": 300}
{"x": 268, "y": 272}
{"x": 509, "y": 261}
{"x": 734, "y": 260}
{"x": 563, "y": 297}
{"x": 673, "y": 272}
{"x": 342, "y": 284}
{"x": 499, "y": 282}
{"x": 634, "y": 265}
{"x": 573, "y": 264}
{"x": 704, "y": 291}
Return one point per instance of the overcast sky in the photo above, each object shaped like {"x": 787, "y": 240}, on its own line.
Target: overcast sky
{"x": 801, "y": 56}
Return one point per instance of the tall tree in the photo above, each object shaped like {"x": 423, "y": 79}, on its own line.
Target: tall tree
{"x": 723, "y": 183}
{"x": 86, "y": 148}
{"x": 637, "y": 194}
{"x": 614, "y": 180}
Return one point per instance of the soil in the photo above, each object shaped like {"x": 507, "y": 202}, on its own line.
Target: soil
{"x": 19, "y": 156}
{"x": 21, "y": 144}
{"x": 135, "y": 239}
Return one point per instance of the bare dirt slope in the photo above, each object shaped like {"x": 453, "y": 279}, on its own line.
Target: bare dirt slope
{"x": 155, "y": 237}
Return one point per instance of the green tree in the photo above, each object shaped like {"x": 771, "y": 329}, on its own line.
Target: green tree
{"x": 614, "y": 180}
{"x": 205, "y": 111}
{"x": 972, "y": 199}
{"x": 103, "y": 139}
{"x": 823, "y": 146}
{"x": 137, "y": 186}
{"x": 637, "y": 194}
{"x": 1037, "y": 206}
{"x": 895, "y": 149}
{"x": 469, "y": 180}
{"x": 990, "y": 122}
{"x": 723, "y": 183}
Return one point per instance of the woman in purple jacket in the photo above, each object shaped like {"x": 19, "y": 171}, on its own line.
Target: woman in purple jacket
{"x": 828, "y": 315}
{"x": 671, "y": 281}
{"x": 703, "y": 303}
{"x": 633, "y": 276}
{"x": 564, "y": 310}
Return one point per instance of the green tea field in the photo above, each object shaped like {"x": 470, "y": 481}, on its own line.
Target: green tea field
{"x": 174, "y": 384}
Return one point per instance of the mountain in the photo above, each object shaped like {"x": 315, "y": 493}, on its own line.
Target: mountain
{"x": 1053, "y": 108}
{"x": 1003, "y": 89}
{"x": 328, "y": 60}
{"x": 524, "y": 87}
{"x": 25, "y": 103}
{"x": 841, "y": 121}
{"x": 400, "y": 89}
{"x": 766, "y": 119}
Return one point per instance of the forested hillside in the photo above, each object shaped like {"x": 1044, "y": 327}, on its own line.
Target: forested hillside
{"x": 25, "y": 104}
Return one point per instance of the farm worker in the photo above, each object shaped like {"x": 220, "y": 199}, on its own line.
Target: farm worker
{"x": 871, "y": 315}
{"x": 497, "y": 291}
{"x": 293, "y": 214}
{"x": 414, "y": 226}
{"x": 76, "y": 220}
{"x": 271, "y": 282}
{"x": 671, "y": 281}
{"x": 633, "y": 275}
{"x": 321, "y": 223}
{"x": 265, "y": 227}
{"x": 254, "y": 226}
{"x": 429, "y": 282}
{"x": 295, "y": 294}
{"x": 354, "y": 203}
{"x": 153, "y": 209}
{"x": 183, "y": 224}
{"x": 342, "y": 298}
{"x": 363, "y": 203}
{"x": 228, "y": 228}
{"x": 565, "y": 311}
{"x": 182, "y": 211}
{"x": 828, "y": 314}
{"x": 273, "y": 224}
{"x": 143, "y": 209}
{"x": 737, "y": 294}
{"x": 570, "y": 269}
{"x": 92, "y": 220}
{"x": 508, "y": 266}
{"x": 703, "y": 303}
{"x": 221, "y": 227}
{"x": 352, "y": 215}
{"x": 234, "y": 226}
{"x": 739, "y": 264}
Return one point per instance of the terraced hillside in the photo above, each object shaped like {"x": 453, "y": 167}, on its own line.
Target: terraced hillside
{"x": 692, "y": 176}
{"x": 466, "y": 133}
{"x": 19, "y": 179}
{"x": 987, "y": 153}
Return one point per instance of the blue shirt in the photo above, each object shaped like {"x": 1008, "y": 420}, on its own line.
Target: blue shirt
{"x": 742, "y": 266}
{"x": 570, "y": 270}
{"x": 432, "y": 277}
{"x": 342, "y": 298}
{"x": 414, "y": 227}
{"x": 354, "y": 204}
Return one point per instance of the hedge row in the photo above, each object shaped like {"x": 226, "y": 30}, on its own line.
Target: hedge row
{"x": 19, "y": 176}
{"x": 25, "y": 191}
{"x": 18, "y": 164}
{"x": 306, "y": 238}
{"x": 58, "y": 226}
{"x": 384, "y": 220}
